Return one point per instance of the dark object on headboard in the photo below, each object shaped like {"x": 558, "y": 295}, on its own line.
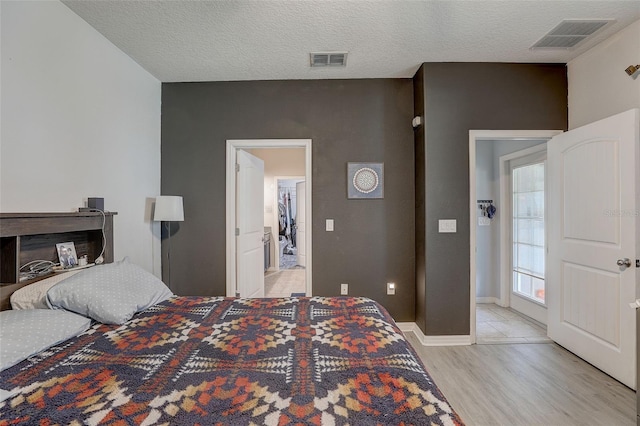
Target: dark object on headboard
{"x": 95, "y": 203}
{"x": 33, "y": 236}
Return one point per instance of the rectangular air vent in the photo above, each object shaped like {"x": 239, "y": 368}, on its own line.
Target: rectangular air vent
{"x": 328, "y": 59}
{"x": 569, "y": 33}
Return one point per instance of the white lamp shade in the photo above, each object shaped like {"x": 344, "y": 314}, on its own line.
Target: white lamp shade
{"x": 169, "y": 208}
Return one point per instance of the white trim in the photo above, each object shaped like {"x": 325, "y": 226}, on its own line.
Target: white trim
{"x": 475, "y": 135}
{"x": 494, "y": 300}
{"x": 529, "y": 307}
{"x": 232, "y": 146}
{"x": 505, "y": 225}
{"x": 461, "y": 340}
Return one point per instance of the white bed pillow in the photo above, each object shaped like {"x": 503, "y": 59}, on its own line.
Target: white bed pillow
{"x": 26, "y": 332}
{"x": 34, "y": 296}
{"x": 109, "y": 293}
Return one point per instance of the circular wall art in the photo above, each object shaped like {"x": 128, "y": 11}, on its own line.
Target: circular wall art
{"x": 365, "y": 180}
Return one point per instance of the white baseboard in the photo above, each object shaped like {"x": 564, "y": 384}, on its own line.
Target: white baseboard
{"x": 495, "y": 300}
{"x": 456, "y": 340}
{"x": 487, "y": 300}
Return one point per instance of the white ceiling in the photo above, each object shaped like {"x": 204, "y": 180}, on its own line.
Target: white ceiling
{"x": 223, "y": 40}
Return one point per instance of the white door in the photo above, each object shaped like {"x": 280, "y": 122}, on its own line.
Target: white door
{"x": 249, "y": 225}
{"x": 300, "y": 223}
{"x": 592, "y": 228}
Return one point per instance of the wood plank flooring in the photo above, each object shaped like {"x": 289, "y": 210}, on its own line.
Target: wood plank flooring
{"x": 526, "y": 384}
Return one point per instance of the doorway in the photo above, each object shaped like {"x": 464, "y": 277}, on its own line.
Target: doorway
{"x": 286, "y": 276}
{"x": 492, "y": 317}
{"x": 265, "y": 148}
{"x": 527, "y": 239}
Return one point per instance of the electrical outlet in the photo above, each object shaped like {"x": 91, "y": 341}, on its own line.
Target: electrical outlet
{"x": 344, "y": 289}
{"x": 391, "y": 289}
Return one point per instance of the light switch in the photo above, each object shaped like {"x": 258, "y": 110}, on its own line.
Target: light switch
{"x": 329, "y": 226}
{"x": 484, "y": 221}
{"x": 391, "y": 289}
{"x": 447, "y": 225}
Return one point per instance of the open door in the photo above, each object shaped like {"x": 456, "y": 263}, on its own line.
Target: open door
{"x": 249, "y": 225}
{"x": 300, "y": 223}
{"x": 593, "y": 242}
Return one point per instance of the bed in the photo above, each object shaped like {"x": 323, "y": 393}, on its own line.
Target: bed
{"x": 153, "y": 358}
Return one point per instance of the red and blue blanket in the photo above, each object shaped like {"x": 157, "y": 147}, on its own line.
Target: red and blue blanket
{"x": 208, "y": 361}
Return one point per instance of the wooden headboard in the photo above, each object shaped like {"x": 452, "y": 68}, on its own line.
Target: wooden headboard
{"x": 33, "y": 236}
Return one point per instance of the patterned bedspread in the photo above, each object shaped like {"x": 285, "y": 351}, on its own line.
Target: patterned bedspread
{"x": 206, "y": 361}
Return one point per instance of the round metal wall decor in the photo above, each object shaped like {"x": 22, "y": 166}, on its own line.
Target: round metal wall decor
{"x": 365, "y": 180}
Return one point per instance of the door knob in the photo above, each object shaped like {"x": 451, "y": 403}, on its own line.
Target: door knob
{"x": 624, "y": 262}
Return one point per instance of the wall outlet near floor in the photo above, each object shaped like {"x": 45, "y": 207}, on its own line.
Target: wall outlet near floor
{"x": 391, "y": 289}
{"x": 344, "y": 289}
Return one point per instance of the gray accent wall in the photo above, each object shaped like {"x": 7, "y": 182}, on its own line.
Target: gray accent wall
{"x": 347, "y": 120}
{"x": 459, "y": 97}
{"x": 420, "y": 194}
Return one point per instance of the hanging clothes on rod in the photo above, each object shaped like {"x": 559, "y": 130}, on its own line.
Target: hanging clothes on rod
{"x": 287, "y": 205}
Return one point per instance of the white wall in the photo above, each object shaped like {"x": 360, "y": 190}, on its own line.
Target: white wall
{"x": 598, "y": 86}
{"x": 487, "y": 274}
{"x": 79, "y": 119}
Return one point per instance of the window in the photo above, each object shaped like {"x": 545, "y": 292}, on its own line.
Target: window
{"x": 528, "y": 236}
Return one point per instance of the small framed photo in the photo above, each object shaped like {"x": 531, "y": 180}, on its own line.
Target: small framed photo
{"x": 67, "y": 254}
{"x": 365, "y": 180}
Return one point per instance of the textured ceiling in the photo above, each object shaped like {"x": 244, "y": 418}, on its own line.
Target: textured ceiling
{"x": 220, "y": 40}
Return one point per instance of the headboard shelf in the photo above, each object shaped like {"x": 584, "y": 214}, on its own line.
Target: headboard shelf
{"x": 18, "y": 224}
{"x": 33, "y": 236}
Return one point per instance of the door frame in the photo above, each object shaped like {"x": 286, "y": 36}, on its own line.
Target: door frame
{"x": 474, "y": 136}
{"x": 232, "y": 146}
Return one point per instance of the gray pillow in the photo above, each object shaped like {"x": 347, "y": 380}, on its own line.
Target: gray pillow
{"x": 109, "y": 293}
{"x": 26, "y": 332}
{"x": 34, "y": 296}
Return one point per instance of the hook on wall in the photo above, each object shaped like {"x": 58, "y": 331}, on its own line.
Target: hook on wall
{"x": 632, "y": 69}
{"x": 487, "y": 208}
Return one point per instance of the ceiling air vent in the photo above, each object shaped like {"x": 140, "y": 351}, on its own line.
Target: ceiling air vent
{"x": 569, "y": 33}
{"x": 328, "y": 59}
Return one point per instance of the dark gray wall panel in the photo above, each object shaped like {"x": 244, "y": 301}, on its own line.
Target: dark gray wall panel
{"x": 460, "y": 97}
{"x": 348, "y": 120}
{"x": 420, "y": 164}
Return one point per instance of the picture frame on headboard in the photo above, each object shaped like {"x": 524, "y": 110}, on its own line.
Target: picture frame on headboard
{"x": 67, "y": 254}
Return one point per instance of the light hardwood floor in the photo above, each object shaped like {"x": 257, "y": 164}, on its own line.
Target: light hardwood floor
{"x": 532, "y": 384}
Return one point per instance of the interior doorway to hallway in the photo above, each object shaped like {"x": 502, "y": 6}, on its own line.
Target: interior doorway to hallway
{"x": 286, "y": 276}
{"x": 494, "y": 318}
{"x": 279, "y": 157}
